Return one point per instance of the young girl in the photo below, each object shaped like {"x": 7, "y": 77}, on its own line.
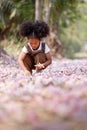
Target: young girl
{"x": 36, "y": 54}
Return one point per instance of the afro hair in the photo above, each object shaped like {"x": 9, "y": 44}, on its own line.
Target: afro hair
{"x": 38, "y": 29}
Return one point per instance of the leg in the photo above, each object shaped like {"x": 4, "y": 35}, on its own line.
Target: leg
{"x": 29, "y": 62}
{"x": 40, "y": 58}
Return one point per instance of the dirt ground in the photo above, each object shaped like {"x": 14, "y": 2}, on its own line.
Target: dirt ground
{"x": 53, "y": 99}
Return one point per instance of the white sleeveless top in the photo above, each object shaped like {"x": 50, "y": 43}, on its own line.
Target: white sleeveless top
{"x": 24, "y": 49}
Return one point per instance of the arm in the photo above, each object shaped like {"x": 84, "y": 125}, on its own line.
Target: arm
{"x": 44, "y": 65}
{"x": 49, "y": 60}
{"x": 21, "y": 63}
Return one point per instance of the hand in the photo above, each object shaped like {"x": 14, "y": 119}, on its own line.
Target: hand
{"x": 39, "y": 66}
{"x": 27, "y": 73}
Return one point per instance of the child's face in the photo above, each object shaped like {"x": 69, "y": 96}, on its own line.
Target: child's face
{"x": 34, "y": 42}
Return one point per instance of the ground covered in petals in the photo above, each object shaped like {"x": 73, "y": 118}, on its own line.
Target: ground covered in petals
{"x": 53, "y": 99}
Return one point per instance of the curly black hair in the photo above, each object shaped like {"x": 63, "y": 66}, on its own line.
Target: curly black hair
{"x": 38, "y": 29}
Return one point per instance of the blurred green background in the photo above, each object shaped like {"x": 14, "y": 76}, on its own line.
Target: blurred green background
{"x": 67, "y": 20}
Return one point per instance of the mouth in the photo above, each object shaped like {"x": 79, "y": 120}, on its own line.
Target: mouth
{"x": 34, "y": 48}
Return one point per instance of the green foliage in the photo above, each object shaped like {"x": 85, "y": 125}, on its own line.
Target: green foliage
{"x": 65, "y": 11}
{"x": 26, "y": 8}
{"x": 2, "y": 19}
{"x": 71, "y": 46}
{"x": 7, "y": 7}
{"x": 70, "y": 18}
{"x": 64, "y": 14}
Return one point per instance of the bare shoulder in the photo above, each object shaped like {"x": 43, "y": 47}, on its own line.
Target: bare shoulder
{"x": 22, "y": 55}
{"x": 48, "y": 55}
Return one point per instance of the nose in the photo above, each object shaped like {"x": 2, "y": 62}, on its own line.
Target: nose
{"x": 33, "y": 45}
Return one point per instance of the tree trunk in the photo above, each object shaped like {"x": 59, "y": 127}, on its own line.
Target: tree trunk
{"x": 37, "y": 9}
{"x": 46, "y": 10}
{"x": 55, "y": 45}
{"x": 6, "y": 29}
